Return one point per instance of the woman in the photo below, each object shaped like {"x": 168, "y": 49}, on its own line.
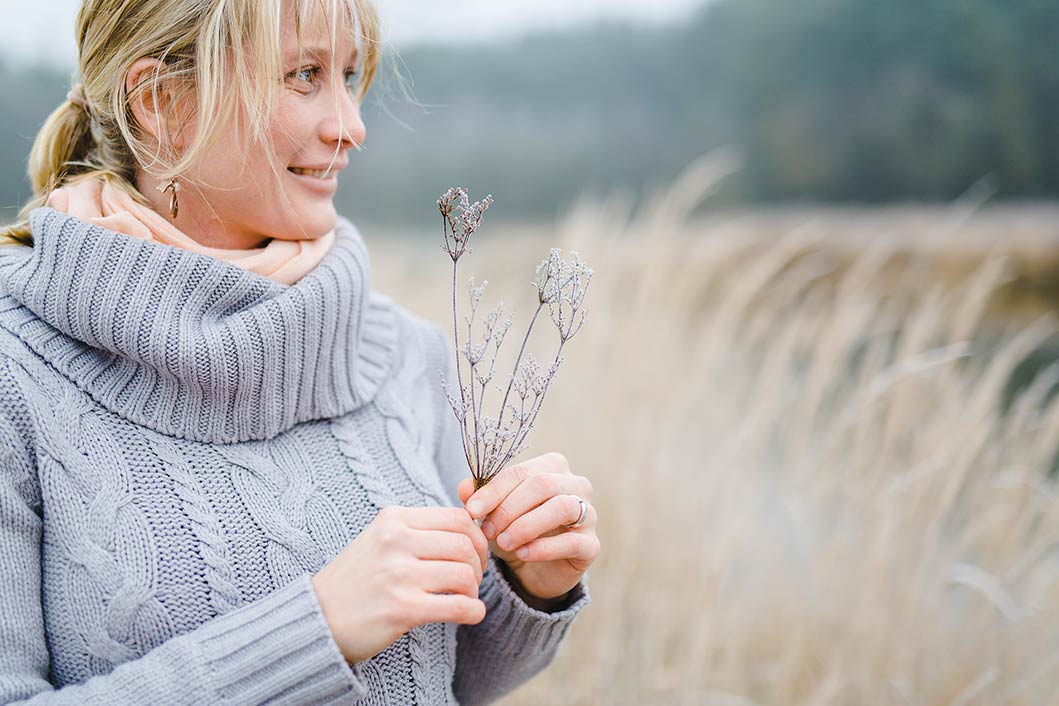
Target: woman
{"x": 227, "y": 471}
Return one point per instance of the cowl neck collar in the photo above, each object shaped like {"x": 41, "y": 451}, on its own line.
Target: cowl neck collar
{"x": 193, "y": 346}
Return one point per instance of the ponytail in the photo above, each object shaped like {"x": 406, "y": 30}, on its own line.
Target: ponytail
{"x": 59, "y": 151}
{"x": 65, "y": 138}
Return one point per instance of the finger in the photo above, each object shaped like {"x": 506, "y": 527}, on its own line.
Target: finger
{"x": 535, "y": 491}
{"x": 465, "y": 489}
{"x": 447, "y": 577}
{"x": 450, "y": 546}
{"x": 488, "y": 497}
{"x": 554, "y": 514}
{"x": 448, "y": 519}
{"x": 579, "y": 548}
{"x": 447, "y": 608}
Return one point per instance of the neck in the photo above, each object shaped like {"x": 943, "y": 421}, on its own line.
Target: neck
{"x": 200, "y": 224}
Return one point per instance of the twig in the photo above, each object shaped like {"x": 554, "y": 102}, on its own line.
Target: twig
{"x": 560, "y": 285}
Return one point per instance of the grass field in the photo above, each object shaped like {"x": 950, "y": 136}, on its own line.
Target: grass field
{"x": 815, "y": 484}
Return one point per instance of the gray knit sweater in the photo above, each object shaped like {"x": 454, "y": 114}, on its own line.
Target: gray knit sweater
{"x": 183, "y": 443}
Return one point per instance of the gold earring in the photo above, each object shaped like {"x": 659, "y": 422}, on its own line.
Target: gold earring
{"x": 174, "y": 205}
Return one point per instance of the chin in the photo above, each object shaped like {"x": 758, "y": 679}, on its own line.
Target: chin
{"x": 310, "y": 226}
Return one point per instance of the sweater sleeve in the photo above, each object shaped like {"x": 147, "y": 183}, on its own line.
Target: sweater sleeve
{"x": 276, "y": 650}
{"x": 515, "y": 641}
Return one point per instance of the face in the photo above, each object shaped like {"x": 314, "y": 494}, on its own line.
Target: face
{"x": 237, "y": 201}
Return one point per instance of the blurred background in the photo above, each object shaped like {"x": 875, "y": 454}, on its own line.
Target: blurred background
{"x": 826, "y": 101}
{"x": 816, "y": 389}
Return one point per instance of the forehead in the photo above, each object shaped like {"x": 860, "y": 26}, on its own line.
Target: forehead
{"x": 319, "y": 28}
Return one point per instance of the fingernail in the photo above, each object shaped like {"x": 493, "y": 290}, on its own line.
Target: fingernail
{"x": 522, "y": 553}
{"x": 474, "y": 507}
{"x": 488, "y": 530}
{"x": 503, "y": 540}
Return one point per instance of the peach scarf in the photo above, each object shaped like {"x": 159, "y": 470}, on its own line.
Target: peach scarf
{"x": 98, "y": 202}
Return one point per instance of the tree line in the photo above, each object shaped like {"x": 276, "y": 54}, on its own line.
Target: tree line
{"x": 826, "y": 100}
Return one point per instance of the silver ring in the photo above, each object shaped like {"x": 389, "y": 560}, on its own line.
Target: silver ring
{"x": 581, "y": 517}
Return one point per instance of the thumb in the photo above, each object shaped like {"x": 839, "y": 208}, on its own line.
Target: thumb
{"x": 465, "y": 490}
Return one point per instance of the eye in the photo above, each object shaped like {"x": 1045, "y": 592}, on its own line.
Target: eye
{"x": 306, "y": 74}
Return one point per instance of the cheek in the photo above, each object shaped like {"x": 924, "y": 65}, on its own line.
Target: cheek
{"x": 224, "y": 166}
{"x": 288, "y": 130}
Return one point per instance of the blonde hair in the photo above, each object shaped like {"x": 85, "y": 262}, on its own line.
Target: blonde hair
{"x": 224, "y": 52}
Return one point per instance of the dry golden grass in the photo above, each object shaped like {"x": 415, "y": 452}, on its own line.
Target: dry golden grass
{"x": 807, "y": 490}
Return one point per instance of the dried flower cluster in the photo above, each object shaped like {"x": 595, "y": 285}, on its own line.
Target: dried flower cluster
{"x": 490, "y": 443}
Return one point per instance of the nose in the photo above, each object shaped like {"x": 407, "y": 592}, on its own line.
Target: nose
{"x": 346, "y": 125}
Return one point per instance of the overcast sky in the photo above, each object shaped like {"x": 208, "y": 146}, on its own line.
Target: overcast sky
{"x": 42, "y": 30}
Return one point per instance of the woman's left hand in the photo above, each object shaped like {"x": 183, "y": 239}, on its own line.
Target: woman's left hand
{"x": 525, "y": 508}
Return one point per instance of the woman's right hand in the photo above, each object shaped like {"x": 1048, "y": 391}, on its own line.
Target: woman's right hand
{"x": 395, "y": 575}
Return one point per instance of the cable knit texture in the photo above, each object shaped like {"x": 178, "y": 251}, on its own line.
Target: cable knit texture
{"x": 183, "y": 443}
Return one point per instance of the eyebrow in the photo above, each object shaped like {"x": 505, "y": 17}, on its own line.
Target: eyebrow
{"x": 319, "y": 52}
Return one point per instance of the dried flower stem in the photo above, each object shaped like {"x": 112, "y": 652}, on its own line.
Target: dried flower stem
{"x": 489, "y": 445}
{"x": 518, "y": 360}
{"x": 459, "y": 376}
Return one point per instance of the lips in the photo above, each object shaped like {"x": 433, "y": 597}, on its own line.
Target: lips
{"x": 321, "y": 171}
{"x": 318, "y": 173}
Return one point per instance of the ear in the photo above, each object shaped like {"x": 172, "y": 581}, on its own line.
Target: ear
{"x": 153, "y": 110}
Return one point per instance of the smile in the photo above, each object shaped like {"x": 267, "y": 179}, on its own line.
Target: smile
{"x": 318, "y": 173}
